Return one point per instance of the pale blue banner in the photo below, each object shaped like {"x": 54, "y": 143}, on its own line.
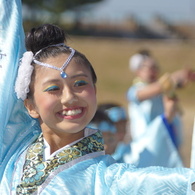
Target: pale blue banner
{"x": 14, "y": 122}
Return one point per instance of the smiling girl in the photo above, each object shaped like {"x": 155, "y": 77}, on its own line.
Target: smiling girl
{"x": 58, "y": 154}
{"x": 62, "y": 96}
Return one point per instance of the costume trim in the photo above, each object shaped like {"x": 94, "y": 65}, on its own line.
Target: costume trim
{"x": 36, "y": 171}
{"x": 66, "y": 166}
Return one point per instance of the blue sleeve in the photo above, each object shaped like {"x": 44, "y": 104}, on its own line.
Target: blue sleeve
{"x": 11, "y": 48}
{"x": 132, "y": 94}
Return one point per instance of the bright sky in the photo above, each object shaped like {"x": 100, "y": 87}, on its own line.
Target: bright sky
{"x": 114, "y": 10}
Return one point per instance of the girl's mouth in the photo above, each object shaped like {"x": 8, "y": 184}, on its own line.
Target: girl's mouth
{"x": 73, "y": 113}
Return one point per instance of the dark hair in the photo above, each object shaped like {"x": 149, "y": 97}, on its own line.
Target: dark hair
{"x": 43, "y": 36}
{"x": 145, "y": 52}
{"x": 106, "y": 106}
{"x": 48, "y": 34}
{"x": 100, "y": 116}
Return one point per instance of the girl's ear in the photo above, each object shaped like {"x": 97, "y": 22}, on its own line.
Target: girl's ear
{"x": 28, "y": 103}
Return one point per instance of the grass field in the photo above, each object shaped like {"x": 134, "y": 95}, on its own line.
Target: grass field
{"x": 110, "y": 60}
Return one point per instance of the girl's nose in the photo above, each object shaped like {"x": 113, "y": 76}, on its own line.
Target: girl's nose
{"x": 69, "y": 96}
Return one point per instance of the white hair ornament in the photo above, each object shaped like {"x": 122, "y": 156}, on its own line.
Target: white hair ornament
{"x": 135, "y": 62}
{"x": 24, "y": 75}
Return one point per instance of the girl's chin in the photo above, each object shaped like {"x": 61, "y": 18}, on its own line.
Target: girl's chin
{"x": 72, "y": 128}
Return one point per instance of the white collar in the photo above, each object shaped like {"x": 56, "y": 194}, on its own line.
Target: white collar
{"x": 47, "y": 152}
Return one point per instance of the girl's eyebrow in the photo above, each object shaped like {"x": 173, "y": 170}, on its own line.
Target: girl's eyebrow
{"x": 79, "y": 75}
{"x": 51, "y": 81}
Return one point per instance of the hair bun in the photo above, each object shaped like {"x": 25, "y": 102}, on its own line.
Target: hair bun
{"x": 44, "y": 36}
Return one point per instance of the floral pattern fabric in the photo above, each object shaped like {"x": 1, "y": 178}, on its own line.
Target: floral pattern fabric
{"x": 36, "y": 171}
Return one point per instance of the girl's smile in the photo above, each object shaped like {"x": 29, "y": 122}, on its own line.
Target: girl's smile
{"x": 71, "y": 113}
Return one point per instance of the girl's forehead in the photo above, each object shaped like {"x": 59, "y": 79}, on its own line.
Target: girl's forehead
{"x": 150, "y": 64}
{"x": 74, "y": 68}
{"x": 57, "y": 61}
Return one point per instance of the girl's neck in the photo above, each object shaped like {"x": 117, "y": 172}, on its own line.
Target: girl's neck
{"x": 57, "y": 141}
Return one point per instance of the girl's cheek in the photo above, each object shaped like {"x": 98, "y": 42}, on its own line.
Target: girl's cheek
{"x": 92, "y": 91}
{"x": 44, "y": 102}
{"x": 92, "y": 94}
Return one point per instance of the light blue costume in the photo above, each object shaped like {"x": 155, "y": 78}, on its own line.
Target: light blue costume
{"x": 89, "y": 172}
{"x": 153, "y": 148}
{"x": 142, "y": 113}
{"x": 152, "y": 139}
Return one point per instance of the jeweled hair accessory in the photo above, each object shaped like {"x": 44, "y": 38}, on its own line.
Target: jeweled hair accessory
{"x": 25, "y": 70}
{"x": 24, "y": 75}
{"x": 62, "y": 73}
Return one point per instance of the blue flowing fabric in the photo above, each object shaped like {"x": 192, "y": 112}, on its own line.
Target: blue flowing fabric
{"x": 93, "y": 175}
{"x": 15, "y": 123}
{"x": 142, "y": 113}
{"x": 101, "y": 175}
{"x": 153, "y": 148}
{"x": 153, "y": 143}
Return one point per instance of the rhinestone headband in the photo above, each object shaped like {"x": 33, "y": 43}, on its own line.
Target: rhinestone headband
{"x": 62, "y": 73}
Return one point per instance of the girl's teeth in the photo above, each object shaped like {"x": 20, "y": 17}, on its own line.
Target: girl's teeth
{"x": 71, "y": 112}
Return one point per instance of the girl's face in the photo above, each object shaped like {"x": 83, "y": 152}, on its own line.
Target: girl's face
{"x": 149, "y": 71}
{"x": 63, "y": 106}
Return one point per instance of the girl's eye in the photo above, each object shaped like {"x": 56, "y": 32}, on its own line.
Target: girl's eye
{"x": 80, "y": 83}
{"x": 51, "y": 88}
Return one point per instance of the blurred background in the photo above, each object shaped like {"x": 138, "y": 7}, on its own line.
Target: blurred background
{"x": 152, "y": 19}
{"x": 108, "y": 32}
